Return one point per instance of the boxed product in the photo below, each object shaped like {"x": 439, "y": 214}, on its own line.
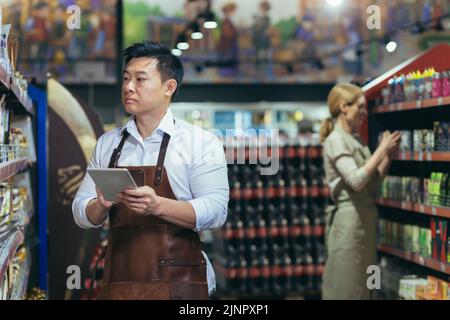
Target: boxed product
{"x": 425, "y": 196}
{"x": 410, "y": 287}
{"x": 443, "y": 192}
{"x": 441, "y": 136}
{"x": 415, "y": 239}
{"x": 447, "y": 192}
{"x": 448, "y": 248}
{"x": 436, "y": 289}
{"x": 435, "y": 244}
{"x": 437, "y": 188}
{"x": 406, "y": 141}
{"x": 407, "y": 238}
{"x": 394, "y": 233}
{"x": 443, "y": 236}
{"x": 415, "y": 190}
{"x": 429, "y": 141}
{"x": 416, "y": 140}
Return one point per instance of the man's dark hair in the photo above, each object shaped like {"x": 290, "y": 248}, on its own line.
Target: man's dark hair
{"x": 169, "y": 65}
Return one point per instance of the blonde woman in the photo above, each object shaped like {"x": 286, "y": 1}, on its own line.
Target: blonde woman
{"x": 353, "y": 175}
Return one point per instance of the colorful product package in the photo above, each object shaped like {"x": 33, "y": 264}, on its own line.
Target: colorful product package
{"x": 407, "y": 238}
{"x": 410, "y": 287}
{"x": 443, "y": 235}
{"x": 443, "y": 190}
{"x": 415, "y": 239}
{"x": 437, "y": 188}
{"x": 445, "y": 142}
{"x": 438, "y": 136}
{"x": 434, "y": 222}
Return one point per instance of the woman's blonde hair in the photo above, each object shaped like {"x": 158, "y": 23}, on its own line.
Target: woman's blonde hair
{"x": 342, "y": 92}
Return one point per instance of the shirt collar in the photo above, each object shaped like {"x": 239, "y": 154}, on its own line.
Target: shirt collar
{"x": 353, "y": 137}
{"x": 166, "y": 125}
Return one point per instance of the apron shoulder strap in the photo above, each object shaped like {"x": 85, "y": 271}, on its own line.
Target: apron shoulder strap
{"x": 116, "y": 153}
{"x": 161, "y": 157}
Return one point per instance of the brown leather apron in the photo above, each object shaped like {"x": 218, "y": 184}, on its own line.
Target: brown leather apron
{"x": 148, "y": 257}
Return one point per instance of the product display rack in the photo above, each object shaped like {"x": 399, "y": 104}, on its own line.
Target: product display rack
{"x": 13, "y": 167}
{"x": 436, "y": 156}
{"x": 415, "y": 207}
{"x": 416, "y": 258}
{"x": 435, "y": 103}
{"x": 272, "y": 244}
{"x": 15, "y": 254}
{"x": 9, "y": 85}
{"x": 412, "y": 115}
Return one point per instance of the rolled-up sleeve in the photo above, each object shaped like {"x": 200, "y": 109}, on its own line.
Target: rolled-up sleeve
{"x": 341, "y": 155}
{"x": 209, "y": 185}
{"x": 86, "y": 192}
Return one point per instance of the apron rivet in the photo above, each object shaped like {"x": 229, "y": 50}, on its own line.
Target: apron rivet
{"x": 172, "y": 262}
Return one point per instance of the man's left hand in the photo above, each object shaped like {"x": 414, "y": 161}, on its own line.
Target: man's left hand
{"x": 143, "y": 200}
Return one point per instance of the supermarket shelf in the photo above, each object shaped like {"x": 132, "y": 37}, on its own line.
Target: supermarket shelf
{"x": 11, "y": 168}
{"x": 415, "y": 258}
{"x": 271, "y": 232}
{"x": 312, "y": 152}
{"x": 8, "y": 249}
{"x": 24, "y": 101}
{"x": 412, "y": 105}
{"x": 7, "y": 84}
{"x": 250, "y": 194}
{"x": 20, "y": 288}
{"x": 267, "y": 271}
{"x": 415, "y": 207}
{"x": 4, "y": 79}
{"x": 438, "y": 156}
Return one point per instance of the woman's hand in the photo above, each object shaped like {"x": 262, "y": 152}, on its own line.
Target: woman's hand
{"x": 390, "y": 142}
{"x": 143, "y": 200}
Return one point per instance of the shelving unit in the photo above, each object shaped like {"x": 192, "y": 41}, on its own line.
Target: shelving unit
{"x": 9, "y": 246}
{"x": 20, "y": 288}
{"x": 415, "y": 207}
{"x": 413, "y": 105}
{"x": 273, "y": 241}
{"x": 424, "y": 156}
{"x": 417, "y": 259}
{"x": 415, "y": 115}
{"x": 13, "y": 169}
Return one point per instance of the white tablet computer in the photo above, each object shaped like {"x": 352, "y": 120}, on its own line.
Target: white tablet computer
{"x": 111, "y": 181}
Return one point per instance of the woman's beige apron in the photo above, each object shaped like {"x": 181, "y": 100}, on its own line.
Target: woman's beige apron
{"x": 351, "y": 236}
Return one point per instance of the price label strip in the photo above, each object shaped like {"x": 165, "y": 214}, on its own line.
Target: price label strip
{"x": 433, "y": 211}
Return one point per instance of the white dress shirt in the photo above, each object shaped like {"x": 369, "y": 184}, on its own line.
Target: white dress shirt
{"x": 195, "y": 163}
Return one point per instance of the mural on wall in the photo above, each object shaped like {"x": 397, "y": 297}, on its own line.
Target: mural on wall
{"x": 285, "y": 41}
{"x": 87, "y": 54}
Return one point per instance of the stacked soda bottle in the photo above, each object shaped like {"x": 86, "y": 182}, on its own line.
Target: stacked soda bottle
{"x": 273, "y": 240}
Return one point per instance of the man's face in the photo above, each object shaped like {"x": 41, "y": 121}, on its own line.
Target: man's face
{"x": 142, "y": 88}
